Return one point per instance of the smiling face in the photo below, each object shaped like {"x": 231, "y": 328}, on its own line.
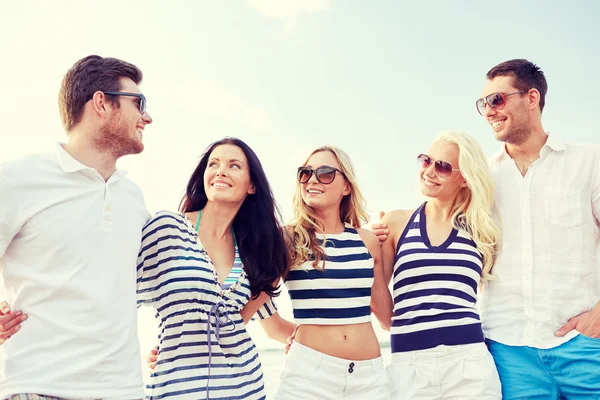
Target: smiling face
{"x": 227, "y": 175}
{"x": 321, "y": 196}
{"x": 434, "y": 186}
{"x": 122, "y": 134}
{"x": 512, "y": 123}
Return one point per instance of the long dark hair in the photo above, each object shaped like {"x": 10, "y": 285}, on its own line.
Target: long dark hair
{"x": 257, "y": 224}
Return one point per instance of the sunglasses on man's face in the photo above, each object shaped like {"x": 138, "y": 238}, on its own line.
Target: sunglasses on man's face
{"x": 138, "y": 95}
{"x": 443, "y": 169}
{"x": 324, "y": 174}
{"x": 497, "y": 101}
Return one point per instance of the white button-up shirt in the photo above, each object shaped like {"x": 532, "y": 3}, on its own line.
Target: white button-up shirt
{"x": 548, "y": 267}
{"x": 68, "y": 249}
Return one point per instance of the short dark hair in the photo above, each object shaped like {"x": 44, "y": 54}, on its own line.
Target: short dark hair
{"x": 526, "y": 75}
{"x": 257, "y": 225}
{"x": 86, "y": 77}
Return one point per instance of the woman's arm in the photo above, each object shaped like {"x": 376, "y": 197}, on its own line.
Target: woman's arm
{"x": 381, "y": 299}
{"x": 396, "y": 223}
{"x": 278, "y": 328}
{"x": 271, "y": 321}
{"x": 255, "y": 305}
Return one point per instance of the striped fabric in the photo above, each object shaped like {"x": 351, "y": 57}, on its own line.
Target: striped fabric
{"x": 31, "y": 396}
{"x": 435, "y": 289}
{"x": 176, "y": 277}
{"x": 341, "y": 293}
{"x": 266, "y": 310}
{"x": 234, "y": 274}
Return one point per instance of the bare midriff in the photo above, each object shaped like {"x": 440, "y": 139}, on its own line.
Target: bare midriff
{"x": 351, "y": 342}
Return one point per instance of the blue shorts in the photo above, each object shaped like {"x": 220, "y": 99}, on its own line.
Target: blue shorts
{"x": 569, "y": 371}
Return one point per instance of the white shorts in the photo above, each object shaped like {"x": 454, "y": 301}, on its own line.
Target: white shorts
{"x": 445, "y": 372}
{"x": 309, "y": 374}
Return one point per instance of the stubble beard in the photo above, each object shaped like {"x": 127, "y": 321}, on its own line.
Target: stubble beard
{"x": 518, "y": 133}
{"x": 116, "y": 139}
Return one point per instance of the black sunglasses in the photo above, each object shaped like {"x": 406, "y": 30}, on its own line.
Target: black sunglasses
{"x": 324, "y": 174}
{"x": 497, "y": 101}
{"x": 443, "y": 169}
{"x": 138, "y": 95}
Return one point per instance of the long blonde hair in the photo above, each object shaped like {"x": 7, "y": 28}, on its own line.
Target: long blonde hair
{"x": 305, "y": 224}
{"x": 472, "y": 209}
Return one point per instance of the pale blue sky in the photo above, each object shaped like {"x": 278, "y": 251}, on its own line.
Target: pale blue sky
{"x": 378, "y": 78}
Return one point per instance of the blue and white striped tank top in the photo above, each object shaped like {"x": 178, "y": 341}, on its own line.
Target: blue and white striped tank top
{"x": 341, "y": 293}
{"x": 435, "y": 289}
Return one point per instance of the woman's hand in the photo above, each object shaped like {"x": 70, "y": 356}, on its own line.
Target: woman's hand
{"x": 152, "y": 358}
{"x": 10, "y": 322}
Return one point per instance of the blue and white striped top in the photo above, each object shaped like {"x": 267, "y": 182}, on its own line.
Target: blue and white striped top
{"x": 341, "y": 293}
{"x": 435, "y": 289}
{"x": 204, "y": 348}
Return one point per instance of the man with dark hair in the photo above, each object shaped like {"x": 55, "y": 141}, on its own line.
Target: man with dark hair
{"x": 541, "y": 313}
{"x": 70, "y": 231}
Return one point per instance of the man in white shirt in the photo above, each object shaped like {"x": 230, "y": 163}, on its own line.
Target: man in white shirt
{"x": 70, "y": 231}
{"x": 541, "y": 315}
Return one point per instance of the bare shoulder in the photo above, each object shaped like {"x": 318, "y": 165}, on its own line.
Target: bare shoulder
{"x": 397, "y": 219}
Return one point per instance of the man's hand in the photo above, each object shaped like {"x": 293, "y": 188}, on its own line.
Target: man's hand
{"x": 10, "y": 322}
{"x": 587, "y": 323}
{"x": 380, "y": 230}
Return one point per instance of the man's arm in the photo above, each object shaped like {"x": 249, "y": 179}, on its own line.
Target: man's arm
{"x": 588, "y": 323}
{"x": 10, "y": 225}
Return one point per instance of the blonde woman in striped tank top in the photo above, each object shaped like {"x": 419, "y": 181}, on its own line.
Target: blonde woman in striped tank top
{"x": 335, "y": 281}
{"x": 437, "y": 256}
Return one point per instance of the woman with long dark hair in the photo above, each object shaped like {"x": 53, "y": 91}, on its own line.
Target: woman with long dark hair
{"x": 206, "y": 270}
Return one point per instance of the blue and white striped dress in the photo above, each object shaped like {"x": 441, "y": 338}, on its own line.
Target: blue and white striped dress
{"x": 341, "y": 293}
{"x": 435, "y": 289}
{"x": 177, "y": 278}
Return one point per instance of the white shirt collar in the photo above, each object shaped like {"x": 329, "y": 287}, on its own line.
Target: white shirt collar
{"x": 70, "y": 164}
{"x": 552, "y": 144}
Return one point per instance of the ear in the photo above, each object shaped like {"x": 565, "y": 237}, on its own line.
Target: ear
{"x": 347, "y": 189}
{"x": 463, "y": 184}
{"x": 99, "y": 103}
{"x": 252, "y": 189}
{"x": 533, "y": 98}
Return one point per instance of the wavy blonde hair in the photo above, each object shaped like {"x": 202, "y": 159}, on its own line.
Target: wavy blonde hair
{"x": 472, "y": 208}
{"x": 305, "y": 224}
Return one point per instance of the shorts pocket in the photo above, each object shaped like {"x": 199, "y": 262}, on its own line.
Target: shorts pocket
{"x": 589, "y": 339}
{"x": 562, "y": 206}
{"x": 478, "y": 363}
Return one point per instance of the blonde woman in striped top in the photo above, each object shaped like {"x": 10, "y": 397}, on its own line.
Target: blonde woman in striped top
{"x": 438, "y": 255}
{"x": 335, "y": 281}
